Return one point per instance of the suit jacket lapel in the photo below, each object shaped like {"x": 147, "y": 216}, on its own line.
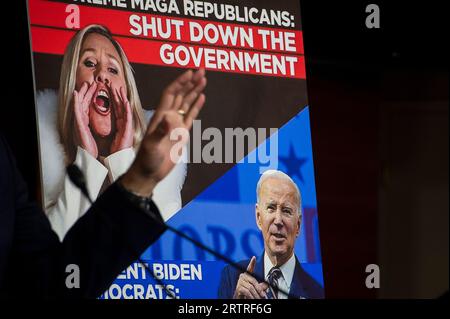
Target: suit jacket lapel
{"x": 259, "y": 267}
{"x": 297, "y": 289}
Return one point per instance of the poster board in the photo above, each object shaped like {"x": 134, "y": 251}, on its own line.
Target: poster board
{"x": 256, "y": 118}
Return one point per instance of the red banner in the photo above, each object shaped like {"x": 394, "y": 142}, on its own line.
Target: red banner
{"x": 175, "y": 41}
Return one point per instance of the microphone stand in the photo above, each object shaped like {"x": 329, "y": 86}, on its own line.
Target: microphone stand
{"x": 77, "y": 178}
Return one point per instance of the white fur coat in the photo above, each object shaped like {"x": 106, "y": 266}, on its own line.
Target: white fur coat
{"x": 166, "y": 195}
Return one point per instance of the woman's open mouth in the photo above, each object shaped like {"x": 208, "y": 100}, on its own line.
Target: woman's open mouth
{"x": 102, "y": 102}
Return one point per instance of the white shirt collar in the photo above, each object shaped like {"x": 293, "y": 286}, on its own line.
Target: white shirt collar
{"x": 287, "y": 269}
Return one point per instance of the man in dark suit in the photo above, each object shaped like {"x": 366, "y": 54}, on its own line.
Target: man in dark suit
{"x": 278, "y": 216}
{"x": 113, "y": 233}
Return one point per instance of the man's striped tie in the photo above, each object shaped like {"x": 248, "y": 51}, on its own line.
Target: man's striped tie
{"x": 274, "y": 275}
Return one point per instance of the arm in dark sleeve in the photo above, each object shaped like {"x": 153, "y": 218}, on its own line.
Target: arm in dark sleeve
{"x": 109, "y": 237}
{"x": 33, "y": 249}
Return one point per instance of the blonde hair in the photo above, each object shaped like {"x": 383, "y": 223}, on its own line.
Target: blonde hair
{"x": 67, "y": 86}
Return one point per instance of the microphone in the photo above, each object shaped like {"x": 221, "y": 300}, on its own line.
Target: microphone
{"x": 79, "y": 181}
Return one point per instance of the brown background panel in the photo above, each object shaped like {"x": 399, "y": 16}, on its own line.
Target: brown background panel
{"x": 232, "y": 100}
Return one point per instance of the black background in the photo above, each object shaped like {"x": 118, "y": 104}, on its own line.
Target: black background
{"x": 370, "y": 91}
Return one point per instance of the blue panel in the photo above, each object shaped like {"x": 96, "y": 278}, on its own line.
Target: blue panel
{"x": 223, "y": 216}
{"x": 183, "y": 279}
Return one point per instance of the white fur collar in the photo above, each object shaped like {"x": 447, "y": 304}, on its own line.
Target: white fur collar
{"x": 166, "y": 195}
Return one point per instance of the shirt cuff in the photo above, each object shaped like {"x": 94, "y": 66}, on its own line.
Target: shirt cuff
{"x": 119, "y": 162}
{"x": 93, "y": 171}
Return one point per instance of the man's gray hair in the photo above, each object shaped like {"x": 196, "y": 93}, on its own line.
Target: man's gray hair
{"x": 272, "y": 173}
